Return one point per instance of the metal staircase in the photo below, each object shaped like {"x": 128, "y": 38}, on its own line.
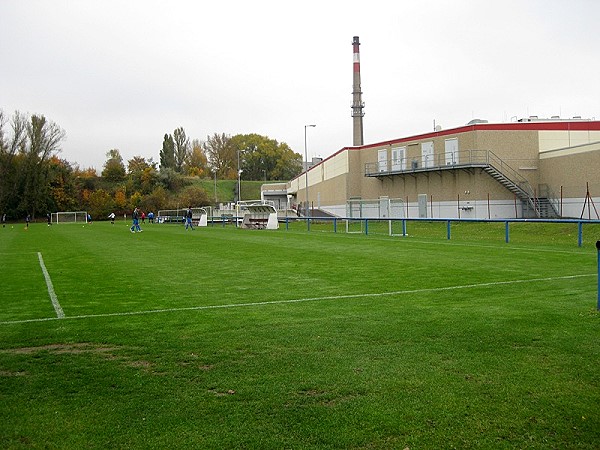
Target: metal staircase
{"x": 534, "y": 206}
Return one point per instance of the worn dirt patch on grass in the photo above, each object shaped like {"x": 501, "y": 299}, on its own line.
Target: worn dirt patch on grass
{"x": 73, "y": 348}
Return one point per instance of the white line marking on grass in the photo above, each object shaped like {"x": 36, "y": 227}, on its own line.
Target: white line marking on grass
{"x": 308, "y": 299}
{"x": 59, "y": 312}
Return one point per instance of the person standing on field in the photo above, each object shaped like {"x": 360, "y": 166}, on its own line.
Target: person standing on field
{"x": 188, "y": 219}
{"x": 27, "y": 220}
{"x": 3, "y": 220}
{"x": 111, "y": 216}
{"x": 136, "y": 221}
{"x": 49, "y": 219}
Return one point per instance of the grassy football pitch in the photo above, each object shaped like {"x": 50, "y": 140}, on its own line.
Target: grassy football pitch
{"x": 229, "y": 338}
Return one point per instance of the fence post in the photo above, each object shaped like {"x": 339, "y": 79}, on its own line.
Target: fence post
{"x": 598, "y": 249}
{"x": 579, "y": 234}
{"x": 506, "y": 239}
{"x": 448, "y": 229}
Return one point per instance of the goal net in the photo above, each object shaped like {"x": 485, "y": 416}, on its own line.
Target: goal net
{"x": 178, "y": 215}
{"x": 359, "y": 210}
{"x": 69, "y": 217}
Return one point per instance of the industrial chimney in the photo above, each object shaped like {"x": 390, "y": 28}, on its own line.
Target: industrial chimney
{"x": 357, "y": 103}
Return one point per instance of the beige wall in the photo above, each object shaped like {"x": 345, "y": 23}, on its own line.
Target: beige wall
{"x": 551, "y": 140}
{"x": 572, "y": 167}
{"x": 343, "y": 176}
{"x": 518, "y": 149}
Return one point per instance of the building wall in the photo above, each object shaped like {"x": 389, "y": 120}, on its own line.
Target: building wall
{"x": 532, "y": 150}
{"x": 569, "y": 173}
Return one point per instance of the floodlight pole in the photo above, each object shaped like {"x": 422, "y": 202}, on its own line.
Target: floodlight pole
{"x": 306, "y": 176}
{"x": 239, "y": 177}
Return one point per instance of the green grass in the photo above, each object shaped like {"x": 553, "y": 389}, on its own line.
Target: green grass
{"x": 230, "y": 338}
{"x": 225, "y": 189}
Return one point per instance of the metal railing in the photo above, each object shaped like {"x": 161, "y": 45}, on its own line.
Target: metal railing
{"x": 457, "y": 160}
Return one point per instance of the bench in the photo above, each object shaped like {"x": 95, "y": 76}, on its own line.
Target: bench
{"x": 257, "y": 223}
{"x": 260, "y": 217}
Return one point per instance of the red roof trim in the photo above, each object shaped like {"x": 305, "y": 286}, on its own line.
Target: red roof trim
{"x": 513, "y": 126}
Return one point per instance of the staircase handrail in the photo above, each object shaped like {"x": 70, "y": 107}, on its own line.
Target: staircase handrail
{"x": 485, "y": 158}
{"x": 511, "y": 174}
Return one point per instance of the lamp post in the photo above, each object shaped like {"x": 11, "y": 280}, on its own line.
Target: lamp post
{"x": 216, "y": 188}
{"x": 306, "y": 173}
{"x": 239, "y": 177}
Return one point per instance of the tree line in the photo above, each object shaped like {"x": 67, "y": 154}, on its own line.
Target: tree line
{"x": 34, "y": 180}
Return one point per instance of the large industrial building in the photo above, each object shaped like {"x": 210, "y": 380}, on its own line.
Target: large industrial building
{"x": 527, "y": 168}
{"x": 530, "y": 168}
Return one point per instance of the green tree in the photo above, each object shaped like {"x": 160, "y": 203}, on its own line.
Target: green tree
{"x": 11, "y": 146}
{"x": 42, "y": 142}
{"x": 182, "y": 148}
{"x": 193, "y": 196}
{"x": 167, "y": 153}
{"x": 156, "y": 200}
{"x": 142, "y": 173}
{"x": 63, "y": 188}
{"x": 100, "y": 204}
{"x": 114, "y": 169}
{"x": 170, "y": 179}
{"x": 265, "y": 158}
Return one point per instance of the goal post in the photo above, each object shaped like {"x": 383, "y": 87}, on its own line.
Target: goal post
{"x": 178, "y": 215}
{"x": 69, "y": 217}
{"x": 358, "y": 211}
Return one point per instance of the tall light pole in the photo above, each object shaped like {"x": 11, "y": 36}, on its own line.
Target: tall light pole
{"x": 216, "y": 189}
{"x": 239, "y": 178}
{"x": 306, "y": 171}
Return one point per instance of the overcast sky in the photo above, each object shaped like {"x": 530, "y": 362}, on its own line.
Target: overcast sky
{"x": 122, "y": 73}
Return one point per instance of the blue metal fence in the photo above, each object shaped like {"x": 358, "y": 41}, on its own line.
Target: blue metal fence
{"x": 224, "y": 220}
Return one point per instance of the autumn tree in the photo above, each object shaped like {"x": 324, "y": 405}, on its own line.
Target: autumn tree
{"x": 120, "y": 199}
{"x": 135, "y": 200}
{"x": 222, "y": 156}
{"x": 196, "y": 163}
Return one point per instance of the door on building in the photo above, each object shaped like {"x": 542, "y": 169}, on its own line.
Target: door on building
{"x": 382, "y": 160}
{"x": 384, "y": 207}
{"x": 398, "y": 159}
{"x": 451, "y": 151}
{"x": 422, "y": 201}
{"x": 427, "y": 159}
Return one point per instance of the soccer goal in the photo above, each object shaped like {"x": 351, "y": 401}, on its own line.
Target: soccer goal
{"x": 359, "y": 210}
{"x": 69, "y": 217}
{"x": 178, "y": 215}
